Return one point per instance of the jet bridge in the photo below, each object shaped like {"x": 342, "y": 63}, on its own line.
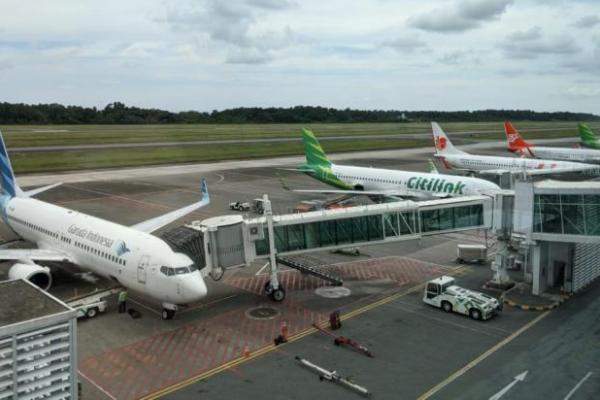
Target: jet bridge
{"x": 233, "y": 241}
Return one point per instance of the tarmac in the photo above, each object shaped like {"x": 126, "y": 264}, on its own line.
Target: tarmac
{"x": 223, "y": 346}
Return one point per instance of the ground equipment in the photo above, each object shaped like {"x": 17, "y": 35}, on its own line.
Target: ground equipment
{"x": 333, "y": 376}
{"x": 471, "y": 253}
{"x": 89, "y": 305}
{"x": 239, "y": 206}
{"x": 443, "y": 293}
{"x": 343, "y": 340}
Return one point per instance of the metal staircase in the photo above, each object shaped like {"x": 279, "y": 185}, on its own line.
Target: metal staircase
{"x": 306, "y": 268}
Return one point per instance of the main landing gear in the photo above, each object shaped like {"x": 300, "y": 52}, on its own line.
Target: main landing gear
{"x": 276, "y": 295}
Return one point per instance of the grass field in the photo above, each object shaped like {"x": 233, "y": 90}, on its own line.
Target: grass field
{"x": 65, "y": 135}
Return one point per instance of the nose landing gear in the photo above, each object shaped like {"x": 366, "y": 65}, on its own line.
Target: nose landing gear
{"x": 168, "y": 311}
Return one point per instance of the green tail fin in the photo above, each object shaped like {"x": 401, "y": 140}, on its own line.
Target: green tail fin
{"x": 315, "y": 155}
{"x": 431, "y": 168}
{"x": 586, "y": 134}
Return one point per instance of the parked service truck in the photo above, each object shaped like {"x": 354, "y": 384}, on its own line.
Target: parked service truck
{"x": 443, "y": 293}
{"x": 471, "y": 253}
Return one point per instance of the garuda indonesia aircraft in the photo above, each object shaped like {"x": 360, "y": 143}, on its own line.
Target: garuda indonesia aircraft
{"x": 587, "y": 137}
{"x": 387, "y": 182}
{"x": 130, "y": 256}
{"x": 495, "y": 165}
{"x": 517, "y": 144}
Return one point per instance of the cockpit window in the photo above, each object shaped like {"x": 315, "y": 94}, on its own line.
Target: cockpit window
{"x": 169, "y": 271}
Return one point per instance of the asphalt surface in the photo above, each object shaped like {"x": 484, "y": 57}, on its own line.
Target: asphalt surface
{"x": 417, "y": 348}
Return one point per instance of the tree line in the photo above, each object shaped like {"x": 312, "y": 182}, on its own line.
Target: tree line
{"x": 119, "y": 113}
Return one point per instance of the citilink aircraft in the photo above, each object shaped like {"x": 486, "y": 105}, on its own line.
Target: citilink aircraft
{"x": 386, "y": 182}
{"x": 129, "y": 256}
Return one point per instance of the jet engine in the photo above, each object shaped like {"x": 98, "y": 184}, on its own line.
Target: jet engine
{"x": 36, "y": 274}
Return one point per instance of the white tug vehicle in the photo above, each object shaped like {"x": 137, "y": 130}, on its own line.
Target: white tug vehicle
{"x": 443, "y": 293}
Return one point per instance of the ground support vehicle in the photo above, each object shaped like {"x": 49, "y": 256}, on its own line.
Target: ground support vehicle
{"x": 443, "y": 293}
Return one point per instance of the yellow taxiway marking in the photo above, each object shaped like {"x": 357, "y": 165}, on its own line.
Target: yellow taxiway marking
{"x": 291, "y": 339}
{"x": 482, "y": 357}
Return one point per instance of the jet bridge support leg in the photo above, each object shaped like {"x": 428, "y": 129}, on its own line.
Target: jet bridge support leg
{"x": 272, "y": 287}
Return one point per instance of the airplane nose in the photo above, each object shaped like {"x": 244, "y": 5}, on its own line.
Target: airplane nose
{"x": 194, "y": 287}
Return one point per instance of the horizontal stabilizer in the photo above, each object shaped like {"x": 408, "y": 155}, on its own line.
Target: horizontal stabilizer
{"x": 33, "y": 192}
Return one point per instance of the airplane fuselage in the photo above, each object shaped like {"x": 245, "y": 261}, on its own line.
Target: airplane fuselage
{"x": 417, "y": 183}
{"x": 563, "y": 154}
{"x": 134, "y": 259}
{"x": 482, "y": 163}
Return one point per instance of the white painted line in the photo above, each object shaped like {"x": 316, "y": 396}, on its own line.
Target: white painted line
{"x": 221, "y": 178}
{"x": 568, "y": 396}
{"x": 262, "y": 269}
{"x": 96, "y": 385}
{"x": 516, "y": 379}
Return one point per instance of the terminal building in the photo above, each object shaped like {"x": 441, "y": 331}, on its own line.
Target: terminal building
{"x": 557, "y": 226}
{"x": 38, "y": 342}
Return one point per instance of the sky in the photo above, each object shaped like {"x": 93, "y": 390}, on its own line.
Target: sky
{"x": 367, "y": 54}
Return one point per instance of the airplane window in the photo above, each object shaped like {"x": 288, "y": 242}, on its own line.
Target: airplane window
{"x": 192, "y": 268}
{"x": 182, "y": 270}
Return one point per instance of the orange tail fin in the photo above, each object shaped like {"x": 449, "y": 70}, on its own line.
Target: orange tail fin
{"x": 514, "y": 139}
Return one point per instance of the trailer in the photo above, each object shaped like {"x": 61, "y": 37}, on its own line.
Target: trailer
{"x": 90, "y": 304}
{"x": 472, "y": 253}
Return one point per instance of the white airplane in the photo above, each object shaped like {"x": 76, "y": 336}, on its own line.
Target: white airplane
{"x": 130, "y": 256}
{"x": 496, "y": 165}
{"x": 518, "y": 145}
{"x": 387, "y": 182}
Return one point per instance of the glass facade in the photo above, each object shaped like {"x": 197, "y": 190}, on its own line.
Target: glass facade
{"x": 567, "y": 214}
{"x": 370, "y": 228}
{"x": 442, "y": 219}
{"x": 362, "y": 229}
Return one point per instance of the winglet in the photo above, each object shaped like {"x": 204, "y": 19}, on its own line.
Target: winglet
{"x": 204, "y": 191}
{"x": 514, "y": 140}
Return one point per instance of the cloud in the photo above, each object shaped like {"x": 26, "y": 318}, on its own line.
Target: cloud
{"x": 531, "y": 44}
{"x": 405, "y": 44}
{"x": 589, "y": 21}
{"x": 236, "y": 25}
{"x": 583, "y": 91}
{"x": 461, "y": 16}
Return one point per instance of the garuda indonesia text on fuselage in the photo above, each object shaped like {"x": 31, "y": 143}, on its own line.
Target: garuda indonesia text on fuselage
{"x": 458, "y": 159}
{"x": 377, "y": 181}
{"x": 131, "y": 256}
{"x": 518, "y": 145}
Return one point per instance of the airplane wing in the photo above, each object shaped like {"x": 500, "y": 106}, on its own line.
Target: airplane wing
{"x": 153, "y": 224}
{"x": 35, "y": 255}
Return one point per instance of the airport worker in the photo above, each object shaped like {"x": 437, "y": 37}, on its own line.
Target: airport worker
{"x": 122, "y": 301}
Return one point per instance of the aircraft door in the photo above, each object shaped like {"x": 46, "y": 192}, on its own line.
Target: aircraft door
{"x": 142, "y": 269}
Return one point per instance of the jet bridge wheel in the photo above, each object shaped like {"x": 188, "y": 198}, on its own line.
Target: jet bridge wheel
{"x": 278, "y": 295}
{"x": 167, "y": 314}
{"x": 268, "y": 288}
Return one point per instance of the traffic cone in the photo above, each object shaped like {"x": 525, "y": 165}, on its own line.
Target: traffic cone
{"x": 246, "y": 352}
{"x": 284, "y": 331}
